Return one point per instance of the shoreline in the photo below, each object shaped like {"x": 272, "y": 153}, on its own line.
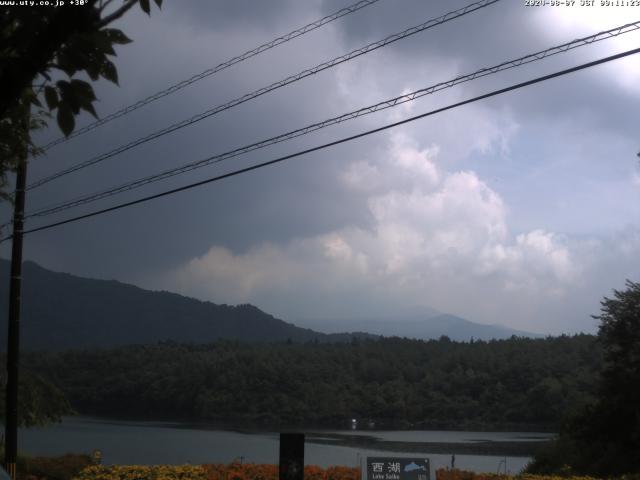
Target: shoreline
{"x": 245, "y": 426}
{"x": 526, "y": 448}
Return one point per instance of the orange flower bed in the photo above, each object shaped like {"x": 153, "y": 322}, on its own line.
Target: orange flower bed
{"x": 455, "y": 474}
{"x": 253, "y": 471}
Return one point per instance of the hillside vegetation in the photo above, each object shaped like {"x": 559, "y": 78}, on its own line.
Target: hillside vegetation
{"x": 62, "y": 311}
{"x": 394, "y": 382}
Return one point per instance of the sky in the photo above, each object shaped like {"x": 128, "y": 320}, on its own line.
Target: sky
{"x": 521, "y": 210}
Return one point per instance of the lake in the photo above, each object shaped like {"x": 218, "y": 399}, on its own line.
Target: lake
{"x": 128, "y": 442}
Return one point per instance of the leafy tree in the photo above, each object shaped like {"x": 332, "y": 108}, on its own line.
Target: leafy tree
{"x": 393, "y": 382}
{"x": 43, "y": 50}
{"x": 40, "y": 402}
{"x": 604, "y": 439}
{"x": 616, "y": 418}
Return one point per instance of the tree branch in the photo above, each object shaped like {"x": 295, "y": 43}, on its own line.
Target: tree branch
{"x": 20, "y": 72}
{"x": 105, "y": 5}
{"x": 117, "y": 14}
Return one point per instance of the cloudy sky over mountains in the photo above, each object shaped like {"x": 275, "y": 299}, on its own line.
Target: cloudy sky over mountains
{"x": 523, "y": 209}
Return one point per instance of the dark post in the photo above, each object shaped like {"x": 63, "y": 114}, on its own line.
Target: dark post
{"x": 291, "y": 456}
{"x": 13, "y": 338}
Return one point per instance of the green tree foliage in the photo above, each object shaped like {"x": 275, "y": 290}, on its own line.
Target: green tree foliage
{"x": 43, "y": 52}
{"x": 604, "y": 438}
{"x": 39, "y": 401}
{"x": 516, "y": 383}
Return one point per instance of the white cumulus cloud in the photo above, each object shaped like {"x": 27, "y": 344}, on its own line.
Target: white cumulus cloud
{"x": 435, "y": 236}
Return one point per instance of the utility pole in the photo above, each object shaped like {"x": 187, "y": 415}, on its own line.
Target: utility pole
{"x": 13, "y": 337}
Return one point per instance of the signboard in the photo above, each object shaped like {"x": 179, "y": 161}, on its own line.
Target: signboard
{"x": 398, "y": 468}
{"x": 291, "y": 456}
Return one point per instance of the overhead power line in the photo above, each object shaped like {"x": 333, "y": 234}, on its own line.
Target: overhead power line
{"x": 291, "y": 79}
{"x": 222, "y": 66}
{"x": 533, "y": 57}
{"x": 331, "y": 144}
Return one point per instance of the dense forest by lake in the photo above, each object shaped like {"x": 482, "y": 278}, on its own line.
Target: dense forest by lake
{"x": 393, "y": 382}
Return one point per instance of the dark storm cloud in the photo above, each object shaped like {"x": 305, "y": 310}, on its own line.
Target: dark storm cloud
{"x": 222, "y": 15}
{"x": 306, "y": 199}
{"x": 503, "y": 31}
{"x": 235, "y": 213}
{"x": 502, "y": 28}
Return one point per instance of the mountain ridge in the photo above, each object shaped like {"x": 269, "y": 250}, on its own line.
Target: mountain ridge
{"x": 422, "y": 327}
{"x": 62, "y": 311}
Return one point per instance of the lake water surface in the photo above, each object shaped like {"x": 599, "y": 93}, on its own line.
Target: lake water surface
{"x": 125, "y": 442}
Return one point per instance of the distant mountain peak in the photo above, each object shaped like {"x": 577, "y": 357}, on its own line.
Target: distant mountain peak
{"x": 423, "y": 327}
{"x": 61, "y": 311}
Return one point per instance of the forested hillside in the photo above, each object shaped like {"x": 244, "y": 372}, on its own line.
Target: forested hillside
{"x": 62, "y": 311}
{"x": 394, "y": 382}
